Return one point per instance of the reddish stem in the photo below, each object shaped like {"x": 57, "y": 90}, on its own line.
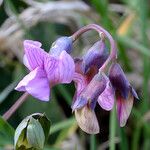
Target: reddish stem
{"x": 99, "y": 29}
{"x": 15, "y": 106}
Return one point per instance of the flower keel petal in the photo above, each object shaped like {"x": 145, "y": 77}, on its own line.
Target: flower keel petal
{"x": 106, "y": 99}
{"x": 87, "y": 120}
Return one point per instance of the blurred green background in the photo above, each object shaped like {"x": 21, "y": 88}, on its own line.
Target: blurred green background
{"x": 45, "y": 21}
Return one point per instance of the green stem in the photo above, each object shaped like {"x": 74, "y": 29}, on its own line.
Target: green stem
{"x": 143, "y": 12}
{"x": 92, "y": 142}
{"x": 136, "y": 136}
{"x": 112, "y": 129}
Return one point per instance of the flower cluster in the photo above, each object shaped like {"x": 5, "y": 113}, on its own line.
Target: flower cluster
{"x": 93, "y": 81}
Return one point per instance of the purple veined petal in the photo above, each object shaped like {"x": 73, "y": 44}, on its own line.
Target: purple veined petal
{"x": 63, "y": 71}
{"x": 124, "y": 107}
{"x": 95, "y": 56}
{"x": 35, "y": 43}
{"x": 119, "y": 80}
{"x": 67, "y": 67}
{"x": 91, "y": 92}
{"x": 26, "y": 62}
{"x": 87, "y": 120}
{"x": 34, "y": 55}
{"x": 36, "y": 84}
{"x": 62, "y": 43}
{"x": 50, "y": 66}
{"x": 92, "y": 105}
{"x": 79, "y": 103}
{"x": 106, "y": 99}
{"x": 96, "y": 86}
{"x": 80, "y": 84}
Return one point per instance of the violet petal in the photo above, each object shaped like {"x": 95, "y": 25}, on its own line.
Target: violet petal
{"x": 119, "y": 80}
{"x": 95, "y": 56}
{"x": 80, "y": 83}
{"x": 94, "y": 88}
{"x": 62, "y": 70}
{"x": 79, "y": 103}
{"x": 34, "y": 55}
{"x": 106, "y": 99}
{"x": 124, "y": 108}
{"x": 36, "y": 84}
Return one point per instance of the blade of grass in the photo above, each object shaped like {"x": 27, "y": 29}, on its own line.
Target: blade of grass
{"x": 143, "y": 13}
{"x": 124, "y": 140}
{"x": 65, "y": 133}
{"x": 92, "y": 142}
{"x": 64, "y": 92}
{"x": 112, "y": 129}
{"x": 7, "y": 91}
{"x": 136, "y": 136}
{"x": 102, "y": 9}
{"x": 61, "y": 125}
{"x": 128, "y": 42}
{"x": 123, "y": 56}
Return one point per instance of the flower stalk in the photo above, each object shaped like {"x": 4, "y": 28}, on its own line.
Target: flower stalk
{"x": 15, "y": 106}
{"x": 102, "y": 33}
{"x": 112, "y": 129}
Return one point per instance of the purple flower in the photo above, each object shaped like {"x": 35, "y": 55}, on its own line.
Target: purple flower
{"x": 90, "y": 88}
{"x": 46, "y": 70}
{"x": 124, "y": 92}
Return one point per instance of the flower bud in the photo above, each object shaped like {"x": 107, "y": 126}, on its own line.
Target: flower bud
{"x": 95, "y": 56}
{"x": 32, "y": 132}
{"x": 62, "y": 43}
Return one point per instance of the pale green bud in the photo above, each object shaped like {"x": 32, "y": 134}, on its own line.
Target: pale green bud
{"x": 32, "y": 132}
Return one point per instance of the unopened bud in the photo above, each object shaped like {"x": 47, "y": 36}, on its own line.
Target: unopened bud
{"x": 32, "y": 132}
{"x": 95, "y": 56}
{"x": 62, "y": 43}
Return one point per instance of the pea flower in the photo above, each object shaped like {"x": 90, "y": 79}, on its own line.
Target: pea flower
{"x": 124, "y": 92}
{"x": 89, "y": 74}
{"x": 91, "y": 87}
{"x": 46, "y": 70}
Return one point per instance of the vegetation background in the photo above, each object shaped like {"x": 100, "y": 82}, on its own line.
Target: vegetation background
{"x": 44, "y": 20}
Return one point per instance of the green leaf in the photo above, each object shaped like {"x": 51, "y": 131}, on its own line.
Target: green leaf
{"x": 35, "y": 134}
{"x": 45, "y": 123}
{"x": 6, "y": 132}
{"x": 7, "y": 90}
{"x": 19, "y": 130}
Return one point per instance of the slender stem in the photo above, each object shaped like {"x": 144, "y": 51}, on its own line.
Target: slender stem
{"x": 92, "y": 142}
{"x": 15, "y": 106}
{"x": 112, "y": 129}
{"x": 100, "y": 30}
